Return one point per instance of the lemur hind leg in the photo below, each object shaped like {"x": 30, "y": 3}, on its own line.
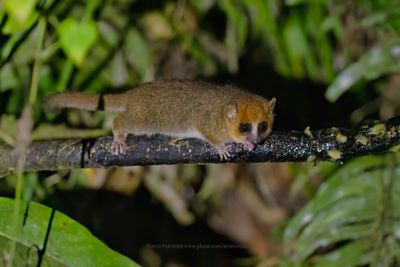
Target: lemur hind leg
{"x": 120, "y": 133}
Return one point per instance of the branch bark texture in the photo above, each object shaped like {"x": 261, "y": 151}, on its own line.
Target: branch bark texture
{"x": 334, "y": 144}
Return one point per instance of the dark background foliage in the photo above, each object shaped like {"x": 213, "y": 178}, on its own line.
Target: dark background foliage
{"x": 328, "y": 63}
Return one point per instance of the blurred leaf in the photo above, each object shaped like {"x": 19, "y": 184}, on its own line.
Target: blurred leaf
{"x": 120, "y": 73}
{"x": 31, "y": 184}
{"x": 8, "y": 124}
{"x": 158, "y": 182}
{"x": 202, "y": 5}
{"x": 374, "y": 64}
{"x": 351, "y": 217}
{"x": 297, "y": 46}
{"x": 352, "y": 254}
{"x": 326, "y": 57}
{"x": 299, "y": 2}
{"x": 236, "y": 32}
{"x": 8, "y": 78}
{"x": 333, "y": 24}
{"x": 77, "y": 38}
{"x": 264, "y": 16}
{"x": 68, "y": 244}
{"x": 380, "y": 17}
{"x": 46, "y": 81}
{"x": 138, "y": 54}
{"x": 197, "y": 50}
{"x": 305, "y": 175}
{"x": 318, "y": 36}
{"x": 157, "y": 26}
{"x": 20, "y": 9}
{"x": 21, "y": 14}
{"x": 109, "y": 33}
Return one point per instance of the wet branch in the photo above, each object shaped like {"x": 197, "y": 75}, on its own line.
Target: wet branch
{"x": 334, "y": 144}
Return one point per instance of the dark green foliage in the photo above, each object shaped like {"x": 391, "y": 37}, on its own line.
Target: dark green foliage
{"x": 51, "y": 238}
{"x": 49, "y": 46}
{"x": 352, "y": 220}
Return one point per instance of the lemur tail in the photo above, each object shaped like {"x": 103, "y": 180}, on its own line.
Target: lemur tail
{"x": 78, "y": 100}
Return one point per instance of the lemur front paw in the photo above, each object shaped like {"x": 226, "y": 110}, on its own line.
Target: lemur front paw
{"x": 118, "y": 148}
{"x": 223, "y": 152}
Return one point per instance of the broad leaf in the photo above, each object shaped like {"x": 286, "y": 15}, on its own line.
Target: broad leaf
{"x": 139, "y": 55}
{"x": 77, "y": 38}
{"x": 374, "y": 64}
{"x": 353, "y": 220}
{"x": 21, "y": 14}
{"x": 68, "y": 243}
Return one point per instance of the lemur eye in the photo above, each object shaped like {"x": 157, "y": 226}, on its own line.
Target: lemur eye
{"x": 262, "y": 127}
{"x": 244, "y": 127}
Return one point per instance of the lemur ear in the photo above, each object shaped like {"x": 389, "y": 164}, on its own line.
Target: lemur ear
{"x": 272, "y": 104}
{"x": 231, "y": 111}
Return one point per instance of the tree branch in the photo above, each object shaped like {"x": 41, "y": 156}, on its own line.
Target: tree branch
{"x": 332, "y": 144}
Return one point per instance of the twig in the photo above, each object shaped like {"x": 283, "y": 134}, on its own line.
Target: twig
{"x": 333, "y": 144}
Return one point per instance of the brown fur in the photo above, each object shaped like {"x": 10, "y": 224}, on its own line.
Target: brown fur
{"x": 82, "y": 101}
{"x": 177, "y": 108}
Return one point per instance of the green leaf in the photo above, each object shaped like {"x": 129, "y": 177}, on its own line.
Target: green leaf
{"x": 68, "y": 243}
{"x": 352, "y": 254}
{"x": 236, "y": 32}
{"x": 139, "y": 55}
{"x": 202, "y": 5}
{"x": 21, "y": 14}
{"x": 380, "y": 17}
{"x": 8, "y": 78}
{"x": 77, "y": 38}
{"x": 354, "y": 218}
{"x": 197, "y": 49}
{"x": 264, "y": 16}
{"x": 374, "y": 64}
{"x": 301, "y": 2}
{"x": 297, "y": 46}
